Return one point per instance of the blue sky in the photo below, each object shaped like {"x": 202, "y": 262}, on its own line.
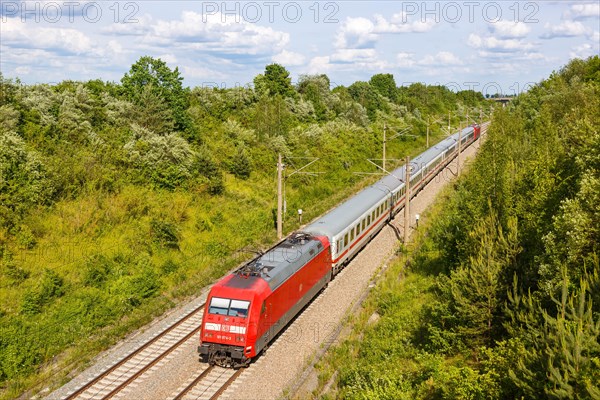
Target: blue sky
{"x": 500, "y": 46}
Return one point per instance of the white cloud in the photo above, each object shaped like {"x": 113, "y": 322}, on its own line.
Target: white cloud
{"x": 22, "y": 70}
{"x": 400, "y": 24}
{"x": 494, "y": 44}
{"x": 353, "y": 55}
{"x": 443, "y": 58}
{"x": 356, "y": 33}
{"x": 143, "y": 26}
{"x": 405, "y": 60}
{"x": 197, "y": 32}
{"x": 349, "y": 60}
{"x": 201, "y": 73}
{"x": 214, "y": 33}
{"x": 30, "y": 36}
{"x": 116, "y": 47}
{"x": 580, "y": 11}
{"x": 360, "y": 32}
{"x": 319, "y": 65}
{"x": 565, "y": 29}
{"x": 582, "y": 51}
{"x": 288, "y": 58}
{"x": 169, "y": 58}
{"x": 509, "y": 29}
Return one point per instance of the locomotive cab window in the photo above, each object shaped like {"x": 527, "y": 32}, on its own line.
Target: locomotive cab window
{"x": 232, "y": 308}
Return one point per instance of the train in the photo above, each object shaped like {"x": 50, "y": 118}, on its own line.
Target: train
{"x": 248, "y": 308}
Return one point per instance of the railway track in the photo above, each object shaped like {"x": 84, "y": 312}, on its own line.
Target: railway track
{"x": 125, "y": 371}
{"x": 209, "y": 385}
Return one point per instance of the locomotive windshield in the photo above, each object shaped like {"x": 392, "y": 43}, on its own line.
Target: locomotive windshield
{"x": 233, "y": 308}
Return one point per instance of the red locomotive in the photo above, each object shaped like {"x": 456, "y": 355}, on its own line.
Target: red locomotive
{"x": 246, "y": 309}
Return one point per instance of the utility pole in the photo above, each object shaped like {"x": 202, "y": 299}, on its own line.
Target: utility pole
{"x": 281, "y": 179}
{"x": 383, "y": 163}
{"x": 459, "y": 150}
{"x": 407, "y": 200}
{"x": 279, "y": 197}
{"x": 428, "y": 119}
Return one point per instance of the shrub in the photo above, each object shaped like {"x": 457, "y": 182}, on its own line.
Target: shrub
{"x": 164, "y": 233}
{"x": 50, "y": 286}
{"x": 96, "y": 271}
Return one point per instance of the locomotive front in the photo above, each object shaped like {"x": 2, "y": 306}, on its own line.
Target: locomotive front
{"x": 228, "y": 331}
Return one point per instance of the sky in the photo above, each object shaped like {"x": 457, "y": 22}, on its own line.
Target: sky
{"x": 488, "y": 46}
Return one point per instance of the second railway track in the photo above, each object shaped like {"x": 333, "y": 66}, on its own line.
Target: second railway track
{"x": 117, "y": 377}
{"x": 209, "y": 385}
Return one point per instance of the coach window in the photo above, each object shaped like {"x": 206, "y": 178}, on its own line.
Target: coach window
{"x": 358, "y": 229}
{"x": 346, "y": 239}
{"x": 363, "y": 224}
{"x": 368, "y": 220}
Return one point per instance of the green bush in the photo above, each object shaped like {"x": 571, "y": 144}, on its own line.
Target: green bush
{"x": 97, "y": 270}
{"x": 49, "y": 287}
{"x": 164, "y": 233}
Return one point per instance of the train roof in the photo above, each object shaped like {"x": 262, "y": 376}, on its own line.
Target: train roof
{"x": 282, "y": 261}
{"x": 344, "y": 215}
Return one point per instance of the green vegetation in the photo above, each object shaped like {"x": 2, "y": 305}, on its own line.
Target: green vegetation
{"x": 501, "y": 298}
{"x": 117, "y": 200}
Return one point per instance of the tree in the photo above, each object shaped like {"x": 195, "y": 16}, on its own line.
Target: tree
{"x": 166, "y": 160}
{"x": 315, "y": 88}
{"x": 364, "y": 94}
{"x": 240, "y": 165}
{"x": 165, "y": 83}
{"x": 477, "y": 287}
{"x": 275, "y": 81}
{"x": 153, "y": 113}
{"x": 23, "y": 181}
{"x": 560, "y": 354}
{"x": 385, "y": 85}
